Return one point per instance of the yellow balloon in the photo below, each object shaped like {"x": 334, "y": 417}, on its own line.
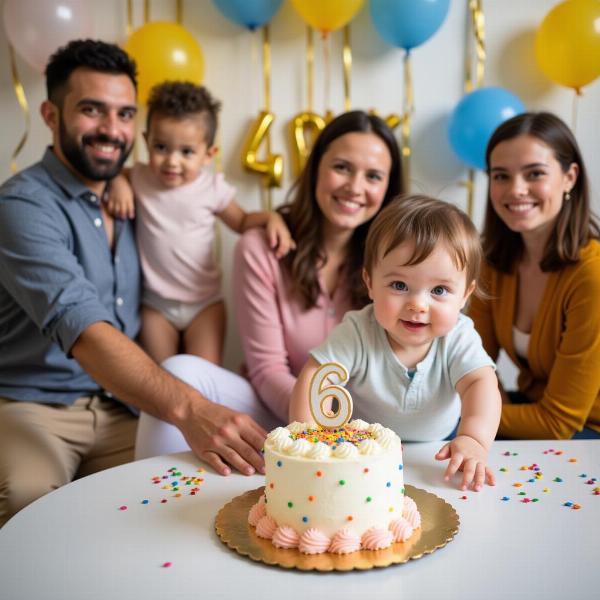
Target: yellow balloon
{"x": 327, "y": 15}
{"x": 164, "y": 51}
{"x": 567, "y": 44}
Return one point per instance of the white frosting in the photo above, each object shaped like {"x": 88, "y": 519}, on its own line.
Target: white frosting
{"x": 297, "y": 427}
{"x": 358, "y": 424}
{"x": 319, "y": 451}
{"x": 370, "y": 448}
{"x": 345, "y": 450}
{"x": 349, "y": 487}
{"x": 298, "y": 447}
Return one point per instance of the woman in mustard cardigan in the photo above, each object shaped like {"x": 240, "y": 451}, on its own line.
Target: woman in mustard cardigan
{"x": 543, "y": 279}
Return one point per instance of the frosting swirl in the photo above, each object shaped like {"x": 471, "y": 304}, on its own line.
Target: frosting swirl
{"x": 411, "y": 513}
{"x": 369, "y": 448}
{"x": 344, "y": 542}
{"x": 266, "y": 527}
{"x": 313, "y": 541}
{"x": 401, "y": 529}
{"x": 278, "y": 434}
{"x": 345, "y": 450}
{"x": 387, "y": 438}
{"x": 298, "y": 447}
{"x": 297, "y": 427}
{"x": 257, "y": 512}
{"x": 285, "y": 537}
{"x": 375, "y": 428}
{"x": 319, "y": 451}
{"x": 358, "y": 424}
{"x": 376, "y": 539}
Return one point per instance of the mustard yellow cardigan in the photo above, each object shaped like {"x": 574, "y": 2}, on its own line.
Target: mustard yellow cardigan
{"x": 561, "y": 376}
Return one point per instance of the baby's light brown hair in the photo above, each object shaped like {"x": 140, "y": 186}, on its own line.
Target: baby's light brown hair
{"x": 425, "y": 222}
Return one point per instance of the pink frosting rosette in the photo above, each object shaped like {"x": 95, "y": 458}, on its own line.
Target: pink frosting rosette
{"x": 376, "y": 539}
{"x": 266, "y": 527}
{"x": 313, "y": 541}
{"x": 285, "y": 537}
{"x": 257, "y": 512}
{"x": 411, "y": 513}
{"x": 401, "y": 529}
{"x": 344, "y": 542}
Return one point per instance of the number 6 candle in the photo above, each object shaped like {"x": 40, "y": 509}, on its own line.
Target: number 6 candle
{"x": 321, "y": 390}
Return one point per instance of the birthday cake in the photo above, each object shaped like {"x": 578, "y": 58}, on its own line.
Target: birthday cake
{"x": 336, "y": 488}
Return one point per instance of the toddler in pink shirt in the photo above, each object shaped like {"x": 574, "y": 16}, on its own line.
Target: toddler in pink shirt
{"x": 177, "y": 201}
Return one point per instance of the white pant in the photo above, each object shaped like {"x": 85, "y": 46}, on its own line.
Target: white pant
{"x": 155, "y": 437}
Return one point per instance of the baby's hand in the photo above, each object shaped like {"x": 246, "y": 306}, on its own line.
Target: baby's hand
{"x": 278, "y": 235}
{"x": 120, "y": 202}
{"x": 467, "y": 455}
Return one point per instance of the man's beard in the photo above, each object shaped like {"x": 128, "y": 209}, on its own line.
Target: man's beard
{"x": 98, "y": 169}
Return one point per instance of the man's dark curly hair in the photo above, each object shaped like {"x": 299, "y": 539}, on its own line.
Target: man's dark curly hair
{"x": 180, "y": 99}
{"x": 91, "y": 54}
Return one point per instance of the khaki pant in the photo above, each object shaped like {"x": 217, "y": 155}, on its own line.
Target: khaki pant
{"x": 45, "y": 446}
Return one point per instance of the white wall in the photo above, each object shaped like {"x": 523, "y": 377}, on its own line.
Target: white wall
{"x": 233, "y": 72}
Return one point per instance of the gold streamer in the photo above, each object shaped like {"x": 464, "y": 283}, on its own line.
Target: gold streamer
{"x": 326, "y": 72}
{"x": 178, "y": 12}
{"x": 477, "y": 22}
{"x": 347, "y": 62}
{"x": 146, "y": 11}
{"x": 129, "y": 29}
{"x": 407, "y": 111}
{"x": 268, "y": 199}
{"x": 310, "y": 62}
{"x": 22, "y": 100}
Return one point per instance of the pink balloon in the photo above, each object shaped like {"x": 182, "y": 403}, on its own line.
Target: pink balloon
{"x": 37, "y": 28}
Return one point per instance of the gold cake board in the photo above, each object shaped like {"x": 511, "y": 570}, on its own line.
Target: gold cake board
{"x": 439, "y": 524}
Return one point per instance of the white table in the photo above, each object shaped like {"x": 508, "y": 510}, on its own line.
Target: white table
{"x": 76, "y": 544}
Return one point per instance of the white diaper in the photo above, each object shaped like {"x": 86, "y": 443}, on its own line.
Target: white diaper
{"x": 179, "y": 314}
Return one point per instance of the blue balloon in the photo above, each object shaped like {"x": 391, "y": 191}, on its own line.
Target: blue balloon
{"x": 476, "y": 117}
{"x": 408, "y": 23}
{"x": 249, "y": 13}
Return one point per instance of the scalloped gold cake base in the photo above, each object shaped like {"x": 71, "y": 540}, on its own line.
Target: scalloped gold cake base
{"x": 439, "y": 524}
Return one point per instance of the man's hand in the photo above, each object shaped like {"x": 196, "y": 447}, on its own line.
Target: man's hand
{"x": 469, "y": 456}
{"x": 225, "y": 438}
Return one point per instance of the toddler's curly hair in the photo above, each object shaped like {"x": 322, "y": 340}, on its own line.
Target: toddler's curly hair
{"x": 181, "y": 99}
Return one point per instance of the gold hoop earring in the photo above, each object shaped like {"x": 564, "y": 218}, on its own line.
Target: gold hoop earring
{"x": 567, "y": 196}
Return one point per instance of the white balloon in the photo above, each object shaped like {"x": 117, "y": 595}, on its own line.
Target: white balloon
{"x": 37, "y": 28}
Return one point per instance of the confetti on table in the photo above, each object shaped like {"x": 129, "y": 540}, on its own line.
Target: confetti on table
{"x": 167, "y": 564}
{"x": 463, "y": 497}
{"x": 557, "y": 479}
{"x": 122, "y": 507}
{"x": 546, "y": 489}
{"x": 572, "y": 460}
{"x": 517, "y": 485}
{"x": 145, "y": 501}
{"x": 503, "y": 469}
{"x": 505, "y": 498}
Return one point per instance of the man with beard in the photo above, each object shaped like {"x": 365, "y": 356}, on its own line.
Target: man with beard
{"x": 69, "y": 299}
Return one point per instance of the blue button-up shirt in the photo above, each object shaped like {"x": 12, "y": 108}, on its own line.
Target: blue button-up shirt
{"x": 58, "y": 275}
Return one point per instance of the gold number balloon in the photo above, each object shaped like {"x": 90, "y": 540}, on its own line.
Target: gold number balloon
{"x": 301, "y": 124}
{"x": 272, "y": 165}
{"x": 321, "y": 391}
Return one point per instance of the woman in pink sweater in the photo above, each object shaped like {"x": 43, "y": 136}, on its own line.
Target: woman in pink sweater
{"x": 285, "y": 308}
